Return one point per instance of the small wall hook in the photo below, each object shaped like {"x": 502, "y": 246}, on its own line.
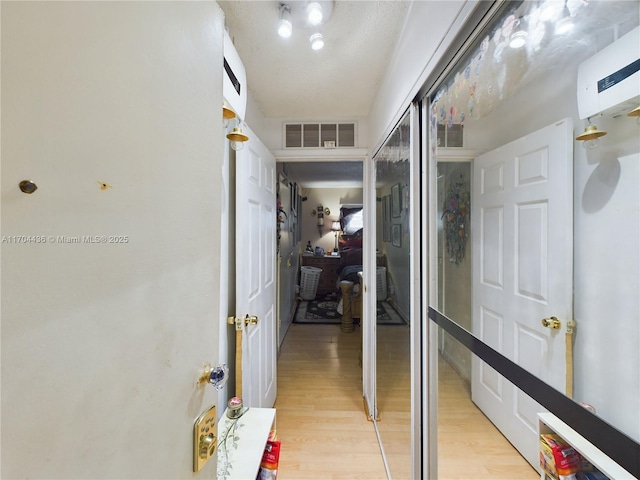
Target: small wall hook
{"x": 27, "y": 186}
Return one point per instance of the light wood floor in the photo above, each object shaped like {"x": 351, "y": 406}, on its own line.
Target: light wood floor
{"x": 469, "y": 446}
{"x": 319, "y": 410}
{"x": 324, "y": 431}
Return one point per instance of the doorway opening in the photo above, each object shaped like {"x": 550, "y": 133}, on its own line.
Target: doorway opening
{"x": 311, "y": 193}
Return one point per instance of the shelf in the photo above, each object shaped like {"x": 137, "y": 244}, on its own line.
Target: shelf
{"x": 549, "y": 423}
{"x": 241, "y": 443}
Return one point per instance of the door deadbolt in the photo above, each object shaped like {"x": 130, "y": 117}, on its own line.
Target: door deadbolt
{"x": 551, "y": 322}
{"x": 207, "y": 446}
{"x": 205, "y": 440}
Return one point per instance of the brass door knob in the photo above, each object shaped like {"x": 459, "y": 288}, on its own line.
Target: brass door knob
{"x": 247, "y": 320}
{"x": 551, "y": 322}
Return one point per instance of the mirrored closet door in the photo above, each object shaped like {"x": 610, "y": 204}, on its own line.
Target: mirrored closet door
{"x": 393, "y": 300}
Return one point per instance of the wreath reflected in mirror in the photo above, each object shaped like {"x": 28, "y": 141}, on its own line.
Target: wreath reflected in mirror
{"x": 455, "y": 220}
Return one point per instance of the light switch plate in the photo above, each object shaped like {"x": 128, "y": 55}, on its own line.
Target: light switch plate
{"x": 205, "y": 439}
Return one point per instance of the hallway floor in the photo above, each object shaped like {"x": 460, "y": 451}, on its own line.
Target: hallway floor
{"x": 325, "y": 434}
{"x": 320, "y": 416}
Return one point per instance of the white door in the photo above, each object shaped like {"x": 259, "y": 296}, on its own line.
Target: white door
{"x": 256, "y": 269}
{"x": 522, "y": 220}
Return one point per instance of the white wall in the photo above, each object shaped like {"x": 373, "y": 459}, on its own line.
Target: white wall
{"x": 607, "y": 275}
{"x": 102, "y": 343}
{"x": 330, "y": 198}
{"x": 256, "y": 121}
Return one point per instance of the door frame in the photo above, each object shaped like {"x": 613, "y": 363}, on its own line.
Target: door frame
{"x": 369, "y": 350}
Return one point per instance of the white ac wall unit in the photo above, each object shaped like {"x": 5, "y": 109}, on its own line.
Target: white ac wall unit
{"x": 234, "y": 79}
{"x": 609, "y": 82}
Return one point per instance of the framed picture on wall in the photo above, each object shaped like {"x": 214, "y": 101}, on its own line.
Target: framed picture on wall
{"x": 396, "y": 200}
{"x": 294, "y": 198}
{"x": 299, "y": 220}
{"x": 405, "y": 197}
{"x": 396, "y": 235}
{"x": 386, "y": 218}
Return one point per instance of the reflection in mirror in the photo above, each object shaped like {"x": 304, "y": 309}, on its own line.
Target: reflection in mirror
{"x": 393, "y": 362}
{"x": 545, "y": 234}
{"x": 463, "y": 427}
{"x": 459, "y": 420}
{"x": 454, "y": 259}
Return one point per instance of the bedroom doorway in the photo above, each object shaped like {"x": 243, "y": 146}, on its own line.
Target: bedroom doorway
{"x": 320, "y": 187}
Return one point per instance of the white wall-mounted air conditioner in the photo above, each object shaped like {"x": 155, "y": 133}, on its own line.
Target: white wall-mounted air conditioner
{"x": 609, "y": 82}
{"x": 234, "y": 79}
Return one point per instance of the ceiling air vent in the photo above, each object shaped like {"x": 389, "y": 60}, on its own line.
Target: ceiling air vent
{"x": 319, "y": 135}
{"x": 450, "y": 135}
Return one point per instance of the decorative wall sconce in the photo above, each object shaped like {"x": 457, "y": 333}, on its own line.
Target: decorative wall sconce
{"x": 237, "y": 138}
{"x": 227, "y": 112}
{"x": 635, "y": 112}
{"x": 590, "y": 136}
{"x": 320, "y": 214}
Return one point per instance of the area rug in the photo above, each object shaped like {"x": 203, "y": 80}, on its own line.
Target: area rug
{"x": 323, "y": 311}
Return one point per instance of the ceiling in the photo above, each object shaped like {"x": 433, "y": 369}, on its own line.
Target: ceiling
{"x": 288, "y": 79}
{"x": 326, "y": 174}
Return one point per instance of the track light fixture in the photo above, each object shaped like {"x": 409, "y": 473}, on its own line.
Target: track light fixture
{"x": 314, "y": 13}
{"x": 317, "y": 41}
{"x": 304, "y": 15}
{"x": 285, "y": 27}
{"x": 518, "y": 38}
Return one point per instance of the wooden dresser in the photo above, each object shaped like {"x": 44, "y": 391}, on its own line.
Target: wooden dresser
{"x": 329, "y": 276}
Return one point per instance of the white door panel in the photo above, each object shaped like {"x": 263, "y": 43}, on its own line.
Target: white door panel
{"x": 492, "y": 253}
{"x": 255, "y": 269}
{"x": 522, "y": 271}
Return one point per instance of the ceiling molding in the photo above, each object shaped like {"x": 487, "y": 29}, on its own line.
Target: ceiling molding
{"x": 321, "y": 155}
{"x": 456, "y": 154}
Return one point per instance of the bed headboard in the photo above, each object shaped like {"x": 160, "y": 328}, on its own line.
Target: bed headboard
{"x": 351, "y": 223}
